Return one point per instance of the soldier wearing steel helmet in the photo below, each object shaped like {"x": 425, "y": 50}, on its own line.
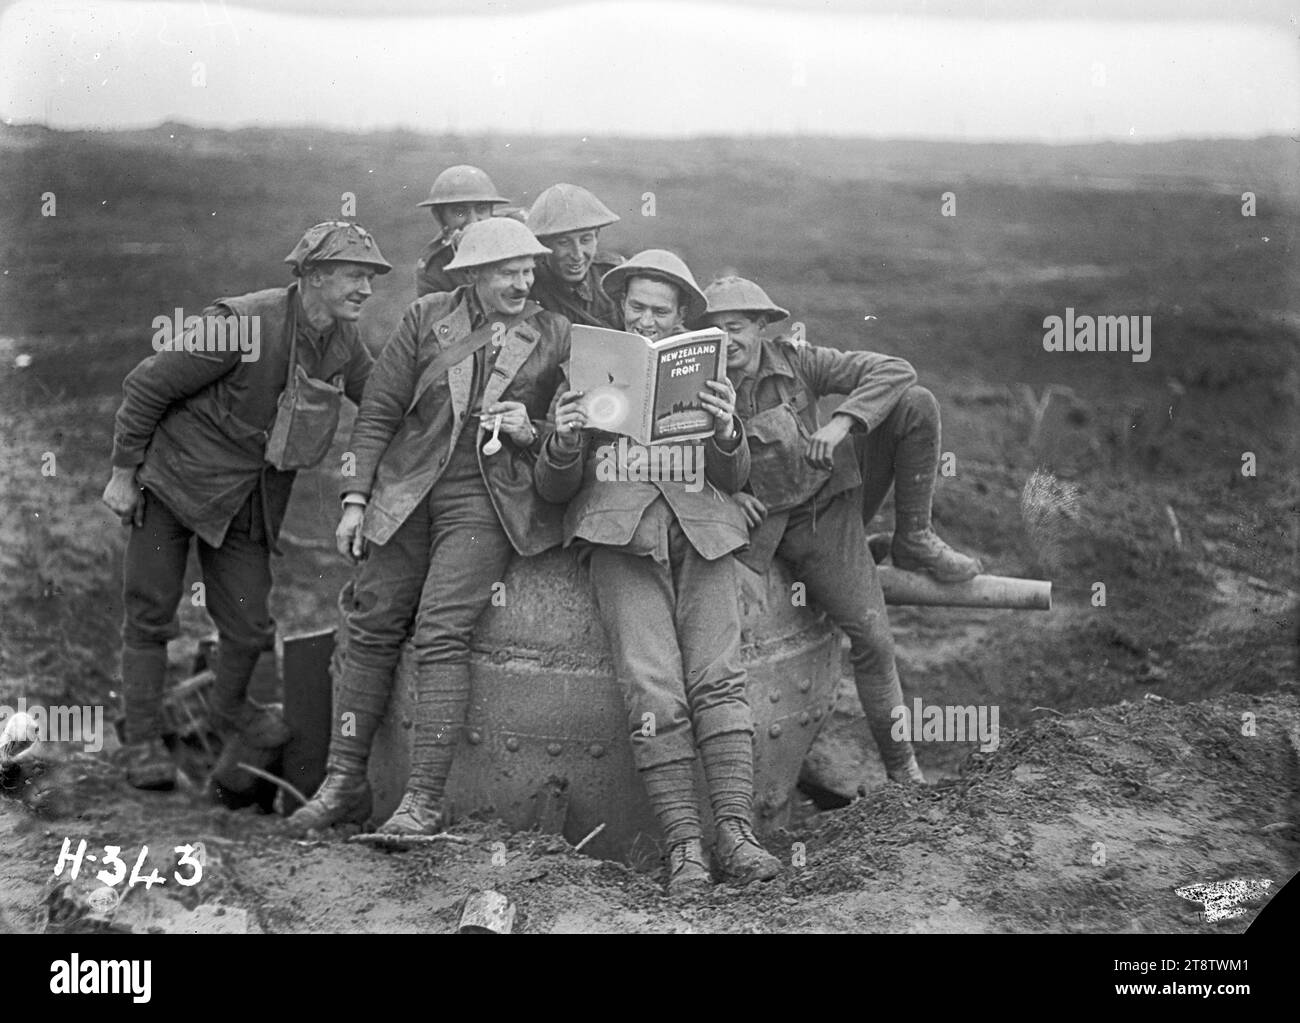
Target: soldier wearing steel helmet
{"x": 663, "y": 577}
{"x": 567, "y": 219}
{"x": 203, "y": 451}
{"x": 436, "y": 510}
{"x": 460, "y": 196}
{"x": 813, "y": 488}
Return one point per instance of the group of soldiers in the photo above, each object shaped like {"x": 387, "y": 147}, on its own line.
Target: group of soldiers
{"x": 471, "y": 448}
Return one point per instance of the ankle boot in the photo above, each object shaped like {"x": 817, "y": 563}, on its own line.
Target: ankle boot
{"x": 343, "y": 798}
{"x": 149, "y": 766}
{"x": 739, "y": 856}
{"x": 416, "y": 814}
{"x": 688, "y": 870}
{"x": 924, "y": 551}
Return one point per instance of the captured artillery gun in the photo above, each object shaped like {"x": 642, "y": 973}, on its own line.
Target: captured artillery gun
{"x": 546, "y": 744}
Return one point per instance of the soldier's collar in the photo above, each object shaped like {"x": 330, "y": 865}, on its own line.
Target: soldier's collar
{"x": 772, "y": 359}
{"x": 303, "y": 324}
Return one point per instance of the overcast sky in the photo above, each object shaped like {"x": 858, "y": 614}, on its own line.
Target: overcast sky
{"x": 661, "y": 68}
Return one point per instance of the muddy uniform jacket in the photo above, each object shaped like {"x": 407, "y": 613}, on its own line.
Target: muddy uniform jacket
{"x": 779, "y": 409}
{"x": 584, "y": 303}
{"x": 197, "y": 422}
{"x": 609, "y": 511}
{"x": 409, "y": 420}
{"x": 430, "y": 273}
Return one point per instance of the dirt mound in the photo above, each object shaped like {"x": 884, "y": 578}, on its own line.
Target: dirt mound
{"x": 1085, "y": 822}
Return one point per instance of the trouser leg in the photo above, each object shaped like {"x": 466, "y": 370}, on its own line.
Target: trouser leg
{"x": 237, "y": 580}
{"x": 902, "y": 452}
{"x": 153, "y": 581}
{"x": 707, "y": 618}
{"x": 468, "y": 554}
{"x": 635, "y": 599}
{"x": 378, "y": 617}
{"x": 839, "y": 575}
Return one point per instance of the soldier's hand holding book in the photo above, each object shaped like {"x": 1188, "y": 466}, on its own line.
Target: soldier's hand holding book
{"x": 720, "y": 401}
{"x": 570, "y": 420}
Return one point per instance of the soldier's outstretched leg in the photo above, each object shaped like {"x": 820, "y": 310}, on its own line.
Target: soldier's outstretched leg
{"x": 839, "y": 575}
{"x": 904, "y": 450}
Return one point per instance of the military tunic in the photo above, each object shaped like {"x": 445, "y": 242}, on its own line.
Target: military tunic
{"x": 663, "y": 577}
{"x": 585, "y": 302}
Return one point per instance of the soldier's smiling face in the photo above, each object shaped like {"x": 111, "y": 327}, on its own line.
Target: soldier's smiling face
{"x": 744, "y": 332}
{"x": 651, "y": 308}
{"x": 455, "y": 216}
{"x": 571, "y": 254}
{"x": 342, "y": 288}
{"x": 503, "y": 287}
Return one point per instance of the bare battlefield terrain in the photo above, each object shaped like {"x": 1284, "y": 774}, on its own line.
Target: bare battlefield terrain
{"x": 1147, "y": 744}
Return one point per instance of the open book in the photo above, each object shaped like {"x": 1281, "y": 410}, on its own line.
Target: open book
{"x": 647, "y": 390}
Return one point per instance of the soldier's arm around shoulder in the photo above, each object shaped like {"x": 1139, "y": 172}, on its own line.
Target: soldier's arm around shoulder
{"x": 162, "y": 380}
{"x": 387, "y": 395}
{"x": 874, "y": 383}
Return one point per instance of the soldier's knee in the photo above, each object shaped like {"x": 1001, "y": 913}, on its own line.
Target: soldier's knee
{"x": 921, "y": 401}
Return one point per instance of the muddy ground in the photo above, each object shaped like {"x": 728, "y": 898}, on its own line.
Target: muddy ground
{"x": 1125, "y": 768}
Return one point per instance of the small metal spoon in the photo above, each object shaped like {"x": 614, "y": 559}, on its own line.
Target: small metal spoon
{"x": 494, "y": 444}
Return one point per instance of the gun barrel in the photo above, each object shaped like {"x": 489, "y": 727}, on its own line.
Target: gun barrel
{"x": 983, "y": 591}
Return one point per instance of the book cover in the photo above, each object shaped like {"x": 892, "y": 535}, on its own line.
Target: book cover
{"x": 647, "y": 390}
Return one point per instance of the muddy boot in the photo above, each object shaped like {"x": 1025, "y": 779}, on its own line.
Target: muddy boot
{"x": 906, "y": 771}
{"x": 416, "y": 814}
{"x": 232, "y": 714}
{"x": 688, "y": 870}
{"x": 739, "y": 856}
{"x": 923, "y": 551}
{"x": 149, "y": 766}
{"x": 343, "y": 798}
